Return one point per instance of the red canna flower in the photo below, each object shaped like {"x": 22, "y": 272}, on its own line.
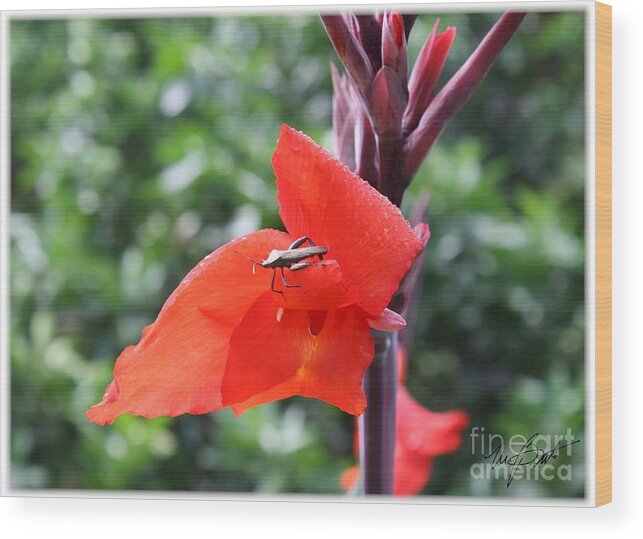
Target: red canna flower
{"x": 421, "y": 435}
{"x": 234, "y": 334}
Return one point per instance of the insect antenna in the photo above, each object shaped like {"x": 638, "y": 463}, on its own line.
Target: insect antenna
{"x": 255, "y": 262}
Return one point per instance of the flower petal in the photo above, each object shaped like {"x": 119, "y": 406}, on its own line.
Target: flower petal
{"x": 274, "y": 355}
{"x": 420, "y": 436}
{"x": 317, "y": 287}
{"x": 367, "y": 235}
{"x": 349, "y": 477}
{"x": 178, "y": 364}
{"x": 412, "y": 471}
{"x": 387, "y": 321}
{"x": 424, "y": 432}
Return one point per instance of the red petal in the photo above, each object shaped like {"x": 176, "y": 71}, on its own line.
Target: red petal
{"x": 316, "y": 321}
{"x": 421, "y": 435}
{"x": 412, "y": 472}
{"x": 178, "y": 364}
{"x": 272, "y": 359}
{"x": 401, "y": 364}
{"x": 367, "y": 235}
{"x": 388, "y": 321}
{"x": 318, "y": 287}
{"x": 349, "y": 477}
{"x": 424, "y": 432}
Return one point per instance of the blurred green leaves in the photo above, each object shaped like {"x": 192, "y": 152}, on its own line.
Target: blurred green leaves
{"x": 140, "y": 145}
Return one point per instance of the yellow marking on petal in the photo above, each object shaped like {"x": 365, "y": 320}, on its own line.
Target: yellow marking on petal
{"x": 308, "y": 351}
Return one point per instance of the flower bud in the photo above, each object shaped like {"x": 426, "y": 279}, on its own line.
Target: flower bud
{"x": 426, "y": 73}
{"x": 387, "y": 101}
{"x": 343, "y": 119}
{"x": 458, "y": 90}
{"x": 349, "y": 50}
{"x": 394, "y": 53}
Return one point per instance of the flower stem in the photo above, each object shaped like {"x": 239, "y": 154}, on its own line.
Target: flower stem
{"x": 377, "y": 425}
{"x": 392, "y": 170}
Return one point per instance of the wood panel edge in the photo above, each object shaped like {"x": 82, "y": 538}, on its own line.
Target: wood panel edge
{"x": 603, "y": 319}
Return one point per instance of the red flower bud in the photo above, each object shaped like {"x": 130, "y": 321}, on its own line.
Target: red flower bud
{"x": 349, "y": 50}
{"x": 394, "y": 54}
{"x": 458, "y": 90}
{"x": 366, "y": 149}
{"x": 370, "y": 35}
{"x": 343, "y": 119}
{"x": 426, "y": 73}
{"x": 387, "y": 101}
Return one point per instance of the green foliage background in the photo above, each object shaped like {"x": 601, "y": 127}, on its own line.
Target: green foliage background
{"x": 140, "y": 145}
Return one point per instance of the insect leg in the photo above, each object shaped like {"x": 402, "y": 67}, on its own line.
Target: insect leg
{"x": 283, "y": 280}
{"x": 300, "y": 241}
{"x": 302, "y": 265}
{"x": 272, "y": 283}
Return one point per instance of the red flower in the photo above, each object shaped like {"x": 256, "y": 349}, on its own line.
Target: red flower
{"x": 225, "y": 337}
{"x": 421, "y": 435}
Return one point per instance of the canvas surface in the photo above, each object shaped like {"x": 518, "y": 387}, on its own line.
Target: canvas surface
{"x": 140, "y": 145}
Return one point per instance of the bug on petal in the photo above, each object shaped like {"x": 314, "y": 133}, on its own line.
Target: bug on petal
{"x": 292, "y": 259}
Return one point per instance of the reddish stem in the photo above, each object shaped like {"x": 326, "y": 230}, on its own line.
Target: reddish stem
{"x": 377, "y": 425}
{"x": 393, "y": 180}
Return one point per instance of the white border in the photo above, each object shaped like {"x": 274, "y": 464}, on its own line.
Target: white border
{"x": 5, "y": 207}
{"x": 428, "y": 7}
{"x": 590, "y": 255}
{"x": 474, "y": 7}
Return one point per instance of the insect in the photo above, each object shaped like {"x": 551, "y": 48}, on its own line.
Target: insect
{"x": 292, "y": 258}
